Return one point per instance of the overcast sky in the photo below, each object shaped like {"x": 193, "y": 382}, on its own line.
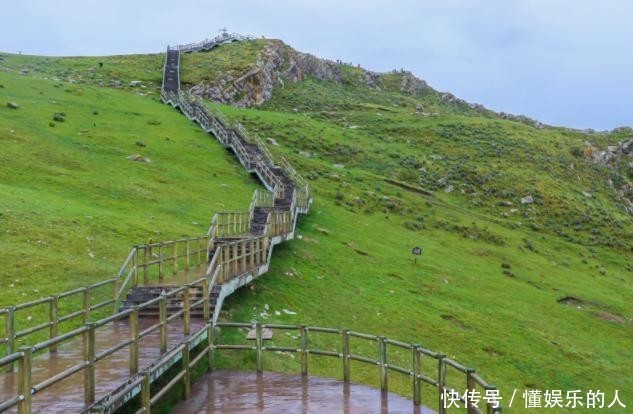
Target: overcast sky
{"x": 564, "y": 62}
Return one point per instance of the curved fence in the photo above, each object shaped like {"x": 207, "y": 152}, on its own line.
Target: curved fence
{"x": 205, "y": 344}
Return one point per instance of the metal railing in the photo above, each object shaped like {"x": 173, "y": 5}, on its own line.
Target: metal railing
{"x": 211, "y": 42}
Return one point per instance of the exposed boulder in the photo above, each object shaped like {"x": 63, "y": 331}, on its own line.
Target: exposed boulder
{"x": 276, "y": 64}
{"x": 612, "y": 155}
{"x": 138, "y": 157}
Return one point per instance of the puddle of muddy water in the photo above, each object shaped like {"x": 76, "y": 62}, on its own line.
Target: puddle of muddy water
{"x": 230, "y": 392}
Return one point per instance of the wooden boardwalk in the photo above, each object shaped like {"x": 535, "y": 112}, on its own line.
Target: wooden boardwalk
{"x": 164, "y": 290}
{"x": 160, "y": 312}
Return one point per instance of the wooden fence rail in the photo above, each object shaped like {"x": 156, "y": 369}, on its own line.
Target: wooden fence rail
{"x": 23, "y": 358}
{"x": 206, "y": 343}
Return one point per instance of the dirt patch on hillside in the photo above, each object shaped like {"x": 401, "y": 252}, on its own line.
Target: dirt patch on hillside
{"x": 599, "y": 311}
{"x": 571, "y": 301}
{"x": 454, "y": 321}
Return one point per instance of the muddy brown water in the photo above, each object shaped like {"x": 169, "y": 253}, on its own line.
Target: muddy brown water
{"x": 231, "y": 392}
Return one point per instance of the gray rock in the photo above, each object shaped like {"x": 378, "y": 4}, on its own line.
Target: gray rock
{"x": 613, "y": 154}
{"x": 136, "y": 83}
{"x": 277, "y": 64}
{"x": 13, "y": 105}
{"x": 527, "y": 200}
{"x": 138, "y": 157}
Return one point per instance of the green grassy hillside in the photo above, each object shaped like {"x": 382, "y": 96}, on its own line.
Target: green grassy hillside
{"x": 72, "y": 202}
{"x": 534, "y": 295}
{"x": 486, "y": 290}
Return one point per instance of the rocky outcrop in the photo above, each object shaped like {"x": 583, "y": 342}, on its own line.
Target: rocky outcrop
{"x": 277, "y": 64}
{"x": 619, "y": 157}
{"x": 612, "y": 155}
{"x": 523, "y": 119}
{"x": 626, "y": 192}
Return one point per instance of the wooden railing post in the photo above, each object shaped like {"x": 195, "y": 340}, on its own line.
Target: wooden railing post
{"x": 146, "y": 393}
{"x": 234, "y": 258}
{"x": 175, "y": 270}
{"x": 226, "y": 269}
{"x": 185, "y": 367}
{"x": 54, "y": 321}
{"x": 134, "y": 346}
{"x": 490, "y": 405}
{"x": 251, "y": 254}
{"x": 186, "y": 304}
{"x": 205, "y": 303}
{"x": 210, "y": 343}
{"x": 304, "y": 350}
{"x": 135, "y": 265}
{"x": 89, "y": 358}
{"x": 147, "y": 255}
{"x": 24, "y": 381}
{"x": 382, "y": 347}
{"x": 160, "y": 262}
{"x": 115, "y": 295}
{"x": 10, "y": 334}
{"x": 470, "y": 387}
{"x": 441, "y": 383}
{"x": 243, "y": 252}
{"x": 416, "y": 369}
{"x": 259, "y": 347}
{"x": 86, "y": 305}
{"x": 265, "y": 249}
{"x": 345, "y": 348}
{"x": 188, "y": 253}
{"x": 162, "y": 313}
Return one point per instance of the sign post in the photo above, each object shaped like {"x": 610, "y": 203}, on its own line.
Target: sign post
{"x": 416, "y": 251}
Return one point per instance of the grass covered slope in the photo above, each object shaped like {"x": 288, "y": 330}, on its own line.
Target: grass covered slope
{"x": 71, "y": 201}
{"x": 534, "y": 295}
{"x": 489, "y": 291}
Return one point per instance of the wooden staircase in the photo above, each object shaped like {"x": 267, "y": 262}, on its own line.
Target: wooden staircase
{"x": 176, "y": 303}
{"x": 239, "y": 243}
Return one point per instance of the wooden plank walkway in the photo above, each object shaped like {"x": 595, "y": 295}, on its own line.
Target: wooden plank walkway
{"x": 167, "y": 296}
{"x": 163, "y": 287}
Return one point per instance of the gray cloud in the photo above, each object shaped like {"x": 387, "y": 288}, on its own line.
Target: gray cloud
{"x": 564, "y": 62}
